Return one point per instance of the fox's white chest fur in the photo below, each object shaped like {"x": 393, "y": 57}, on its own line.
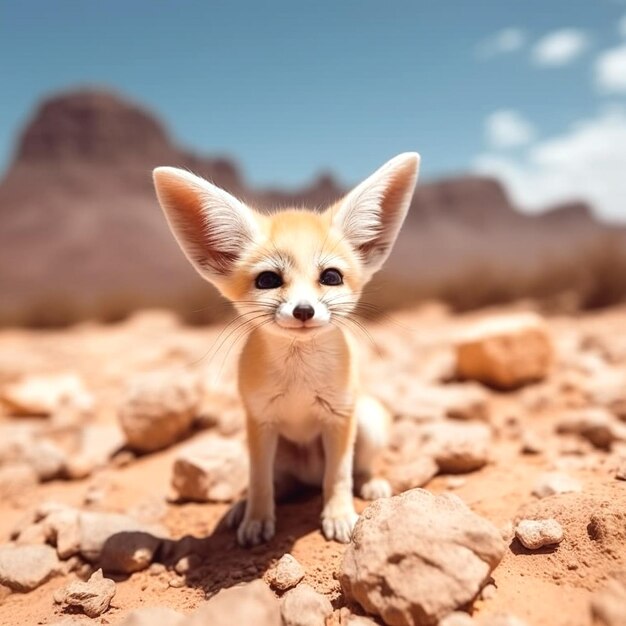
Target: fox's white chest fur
{"x": 302, "y": 388}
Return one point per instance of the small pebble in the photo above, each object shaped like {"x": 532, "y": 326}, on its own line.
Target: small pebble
{"x": 535, "y": 534}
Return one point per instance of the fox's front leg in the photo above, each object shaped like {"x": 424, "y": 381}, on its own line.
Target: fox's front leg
{"x": 259, "y": 520}
{"x": 338, "y": 515}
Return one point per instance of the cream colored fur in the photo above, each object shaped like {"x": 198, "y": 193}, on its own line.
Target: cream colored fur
{"x": 308, "y": 419}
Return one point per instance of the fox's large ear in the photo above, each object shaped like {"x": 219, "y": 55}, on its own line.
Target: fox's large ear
{"x": 371, "y": 215}
{"x": 212, "y": 227}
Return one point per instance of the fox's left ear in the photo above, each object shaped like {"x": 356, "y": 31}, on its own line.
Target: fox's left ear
{"x": 371, "y": 215}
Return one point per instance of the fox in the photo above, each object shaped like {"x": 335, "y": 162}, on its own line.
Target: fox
{"x": 296, "y": 276}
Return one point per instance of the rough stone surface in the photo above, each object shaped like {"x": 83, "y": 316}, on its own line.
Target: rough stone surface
{"x": 552, "y": 483}
{"x": 154, "y": 616}
{"x": 92, "y": 597}
{"x": 417, "y": 557}
{"x": 158, "y": 410}
{"x": 212, "y": 469}
{"x": 505, "y": 352}
{"x": 303, "y": 606}
{"x": 608, "y": 605}
{"x": 598, "y": 426}
{"x": 411, "y": 474}
{"x": 535, "y": 534}
{"x": 23, "y": 568}
{"x": 456, "y": 447}
{"x": 121, "y": 542}
{"x": 128, "y": 551}
{"x": 252, "y": 603}
{"x": 287, "y": 573}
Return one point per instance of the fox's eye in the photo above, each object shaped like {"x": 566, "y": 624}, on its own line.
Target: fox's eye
{"x": 331, "y": 277}
{"x": 268, "y": 280}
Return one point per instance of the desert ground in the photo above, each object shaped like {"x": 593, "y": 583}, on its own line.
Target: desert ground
{"x": 141, "y": 419}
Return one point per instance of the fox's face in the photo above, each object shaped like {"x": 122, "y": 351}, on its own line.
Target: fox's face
{"x": 295, "y": 271}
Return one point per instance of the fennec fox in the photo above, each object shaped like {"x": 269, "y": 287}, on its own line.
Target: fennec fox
{"x": 296, "y": 276}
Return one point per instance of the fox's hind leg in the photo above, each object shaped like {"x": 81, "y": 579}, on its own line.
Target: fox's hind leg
{"x": 373, "y": 426}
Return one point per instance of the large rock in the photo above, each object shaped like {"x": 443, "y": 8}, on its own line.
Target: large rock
{"x": 93, "y": 597}
{"x": 214, "y": 469}
{"x": 252, "y": 603}
{"x": 23, "y": 568}
{"x": 506, "y": 352}
{"x": 415, "y": 558}
{"x": 303, "y": 606}
{"x": 158, "y": 409}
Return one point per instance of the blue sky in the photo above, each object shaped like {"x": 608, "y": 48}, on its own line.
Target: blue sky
{"x": 293, "y": 88}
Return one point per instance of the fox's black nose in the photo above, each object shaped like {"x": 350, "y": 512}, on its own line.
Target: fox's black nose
{"x": 303, "y": 312}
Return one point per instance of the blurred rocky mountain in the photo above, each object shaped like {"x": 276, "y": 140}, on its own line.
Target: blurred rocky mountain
{"x": 81, "y": 233}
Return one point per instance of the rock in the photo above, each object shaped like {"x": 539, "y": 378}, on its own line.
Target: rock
{"x": 535, "y": 534}
{"x": 120, "y": 542}
{"x": 417, "y": 557}
{"x": 457, "y": 618}
{"x": 303, "y": 606}
{"x": 598, "y": 426}
{"x": 93, "y": 597}
{"x": 608, "y": 605}
{"x": 129, "y": 551}
{"x": 98, "y": 444}
{"x": 47, "y": 459}
{"x": 252, "y": 603}
{"x": 552, "y": 483}
{"x": 158, "y": 410}
{"x": 620, "y": 472}
{"x": 214, "y": 469}
{"x": 63, "y": 531}
{"x": 456, "y": 447}
{"x": 45, "y": 395}
{"x": 287, "y": 573}
{"x": 154, "y": 616}
{"x": 464, "y": 401}
{"x": 16, "y": 479}
{"x": 411, "y": 474}
{"x": 505, "y": 352}
{"x": 23, "y": 568}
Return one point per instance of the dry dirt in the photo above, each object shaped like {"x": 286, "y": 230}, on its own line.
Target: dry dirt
{"x": 551, "y": 587}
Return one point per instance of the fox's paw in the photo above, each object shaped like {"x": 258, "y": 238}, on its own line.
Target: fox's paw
{"x": 252, "y": 532}
{"x": 375, "y": 488}
{"x": 235, "y": 514}
{"x": 339, "y": 527}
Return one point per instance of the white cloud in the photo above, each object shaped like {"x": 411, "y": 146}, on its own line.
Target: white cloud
{"x": 610, "y": 70}
{"x": 560, "y": 47}
{"x": 588, "y": 162}
{"x": 621, "y": 26}
{"x": 502, "y": 42}
{"x": 508, "y": 129}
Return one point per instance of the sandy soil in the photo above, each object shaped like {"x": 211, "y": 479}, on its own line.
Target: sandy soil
{"x": 549, "y": 588}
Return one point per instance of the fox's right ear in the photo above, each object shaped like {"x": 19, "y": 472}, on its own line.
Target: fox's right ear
{"x": 212, "y": 227}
